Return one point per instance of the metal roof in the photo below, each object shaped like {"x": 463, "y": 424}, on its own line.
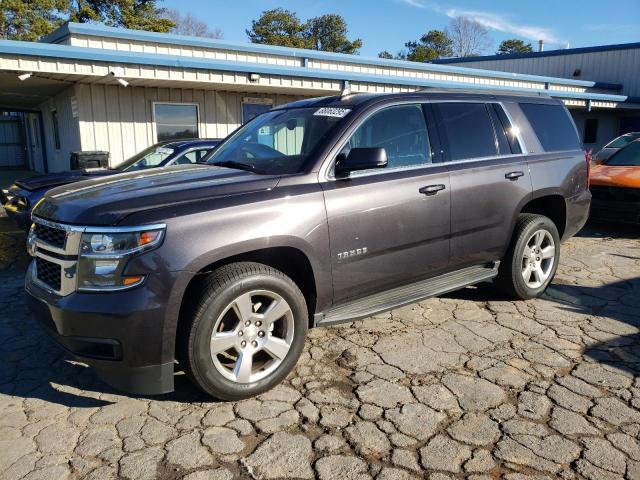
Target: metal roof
{"x": 72, "y": 28}
{"x": 547, "y": 53}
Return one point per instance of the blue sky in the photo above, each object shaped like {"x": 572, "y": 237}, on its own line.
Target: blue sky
{"x": 388, "y": 24}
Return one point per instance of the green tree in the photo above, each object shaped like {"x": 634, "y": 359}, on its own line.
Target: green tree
{"x": 431, "y": 46}
{"x": 329, "y": 33}
{"x": 134, "y": 14}
{"x": 513, "y": 45}
{"x": 30, "y": 19}
{"x": 283, "y": 27}
{"x": 386, "y": 54}
{"x": 278, "y": 27}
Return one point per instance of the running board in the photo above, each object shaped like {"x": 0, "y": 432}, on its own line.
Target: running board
{"x": 397, "y": 297}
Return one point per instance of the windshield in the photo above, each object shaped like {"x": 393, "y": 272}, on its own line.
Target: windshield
{"x": 149, "y": 158}
{"x": 278, "y": 142}
{"x": 627, "y": 157}
{"x": 621, "y": 141}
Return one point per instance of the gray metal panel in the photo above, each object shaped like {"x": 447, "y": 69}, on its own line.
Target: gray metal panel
{"x": 615, "y": 66}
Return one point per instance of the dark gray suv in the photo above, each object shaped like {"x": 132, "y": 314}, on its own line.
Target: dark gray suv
{"x": 318, "y": 212}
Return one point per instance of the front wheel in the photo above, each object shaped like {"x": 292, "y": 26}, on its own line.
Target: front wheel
{"x": 247, "y": 332}
{"x": 532, "y": 258}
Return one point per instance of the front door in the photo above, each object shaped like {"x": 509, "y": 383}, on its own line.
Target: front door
{"x": 385, "y": 228}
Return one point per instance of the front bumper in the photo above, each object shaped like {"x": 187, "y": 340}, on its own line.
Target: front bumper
{"x": 119, "y": 334}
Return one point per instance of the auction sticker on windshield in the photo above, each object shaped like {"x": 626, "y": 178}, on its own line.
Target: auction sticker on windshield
{"x": 332, "y": 112}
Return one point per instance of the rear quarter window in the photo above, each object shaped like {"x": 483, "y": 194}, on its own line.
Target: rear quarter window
{"x": 552, "y": 125}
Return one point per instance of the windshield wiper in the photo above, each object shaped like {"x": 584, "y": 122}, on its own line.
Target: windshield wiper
{"x": 237, "y": 165}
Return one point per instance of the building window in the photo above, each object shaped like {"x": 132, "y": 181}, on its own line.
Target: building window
{"x": 175, "y": 120}
{"x": 56, "y": 129}
{"x": 590, "y": 130}
{"x": 252, "y": 107}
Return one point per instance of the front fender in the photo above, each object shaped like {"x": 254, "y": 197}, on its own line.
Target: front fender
{"x": 196, "y": 240}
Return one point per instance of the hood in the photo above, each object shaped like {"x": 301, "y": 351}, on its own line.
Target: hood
{"x": 626, "y": 177}
{"x": 106, "y": 201}
{"x": 51, "y": 180}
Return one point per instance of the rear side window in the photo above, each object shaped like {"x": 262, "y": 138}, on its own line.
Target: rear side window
{"x": 467, "y": 130}
{"x": 552, "y": 125}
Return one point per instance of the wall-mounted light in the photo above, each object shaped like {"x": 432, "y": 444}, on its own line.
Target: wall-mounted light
{"x": 24, "y": 76}
{"x": 254, "y": 77}
{"x": 122, "y": 82}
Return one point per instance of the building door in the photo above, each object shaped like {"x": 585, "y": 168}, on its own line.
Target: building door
{"x": 34, "y": 142}
{"x": 252, "y": 107}
{"x": 12, "y": 144}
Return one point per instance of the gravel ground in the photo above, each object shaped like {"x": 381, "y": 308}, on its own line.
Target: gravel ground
{"x": 467, "y": 386}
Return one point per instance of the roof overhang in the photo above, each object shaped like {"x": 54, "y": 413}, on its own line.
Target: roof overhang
{"x": 63, "y": 65}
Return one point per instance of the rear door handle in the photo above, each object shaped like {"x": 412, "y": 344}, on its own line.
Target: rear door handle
{"x": 432, "y": 189}
{"x": 513, "y": 175}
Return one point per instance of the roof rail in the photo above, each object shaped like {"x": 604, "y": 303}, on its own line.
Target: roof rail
{"x": 488, "y": 91}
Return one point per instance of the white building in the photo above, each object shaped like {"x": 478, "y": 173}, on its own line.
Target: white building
{"x": 618, "y": 65}
{"x": 89, "y": 87}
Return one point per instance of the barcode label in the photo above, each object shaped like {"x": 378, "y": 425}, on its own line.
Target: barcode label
{"x": 332, "y": 112}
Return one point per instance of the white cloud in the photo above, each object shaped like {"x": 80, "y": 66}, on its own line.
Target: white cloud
{"x": 415, "y": 3}
{"x": 501, "y": 23}
{"x": 493, "y": 21}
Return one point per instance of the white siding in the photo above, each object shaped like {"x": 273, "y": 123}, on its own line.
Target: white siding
{"x": 229, "y": 54}
{"x": 120, "y": 120}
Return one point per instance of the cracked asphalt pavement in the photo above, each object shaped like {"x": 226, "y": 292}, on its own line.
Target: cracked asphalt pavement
{"x": 471, "y": 385}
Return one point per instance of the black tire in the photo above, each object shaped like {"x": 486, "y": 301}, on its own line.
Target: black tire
{"x": 510, "y": 277}
{"x": 220, "y": 289}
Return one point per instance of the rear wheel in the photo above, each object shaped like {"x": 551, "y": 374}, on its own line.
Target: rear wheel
{"x": 247, "y": 333}
{"x": 532, "y": 258}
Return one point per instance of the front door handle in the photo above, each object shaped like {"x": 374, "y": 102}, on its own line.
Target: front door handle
{"x": 432, "y": 189}
{"x": 513, "y": 175}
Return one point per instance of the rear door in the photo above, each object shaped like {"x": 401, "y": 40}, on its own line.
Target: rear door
{"x": 384, "y": 230}
{"x": 489, "y": 176}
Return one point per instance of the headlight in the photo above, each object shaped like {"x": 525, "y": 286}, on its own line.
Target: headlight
{"x": 104, "y": 256}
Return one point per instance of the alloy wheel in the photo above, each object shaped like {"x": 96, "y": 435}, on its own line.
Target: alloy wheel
{"x": 538, "y": 259}
{"x": 252, "y": 336}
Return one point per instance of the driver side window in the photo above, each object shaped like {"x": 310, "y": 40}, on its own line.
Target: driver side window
{"x": 401, "y": 130}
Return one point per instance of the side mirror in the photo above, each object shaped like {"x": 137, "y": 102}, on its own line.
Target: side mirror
{"x": 599, "y": 161}
{"x": 360, "y": 159}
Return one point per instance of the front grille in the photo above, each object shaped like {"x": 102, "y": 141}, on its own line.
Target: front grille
{"x": 49, "y": 273}
{"x": 616, "y": 194}
{"x": 53, "y": 236}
